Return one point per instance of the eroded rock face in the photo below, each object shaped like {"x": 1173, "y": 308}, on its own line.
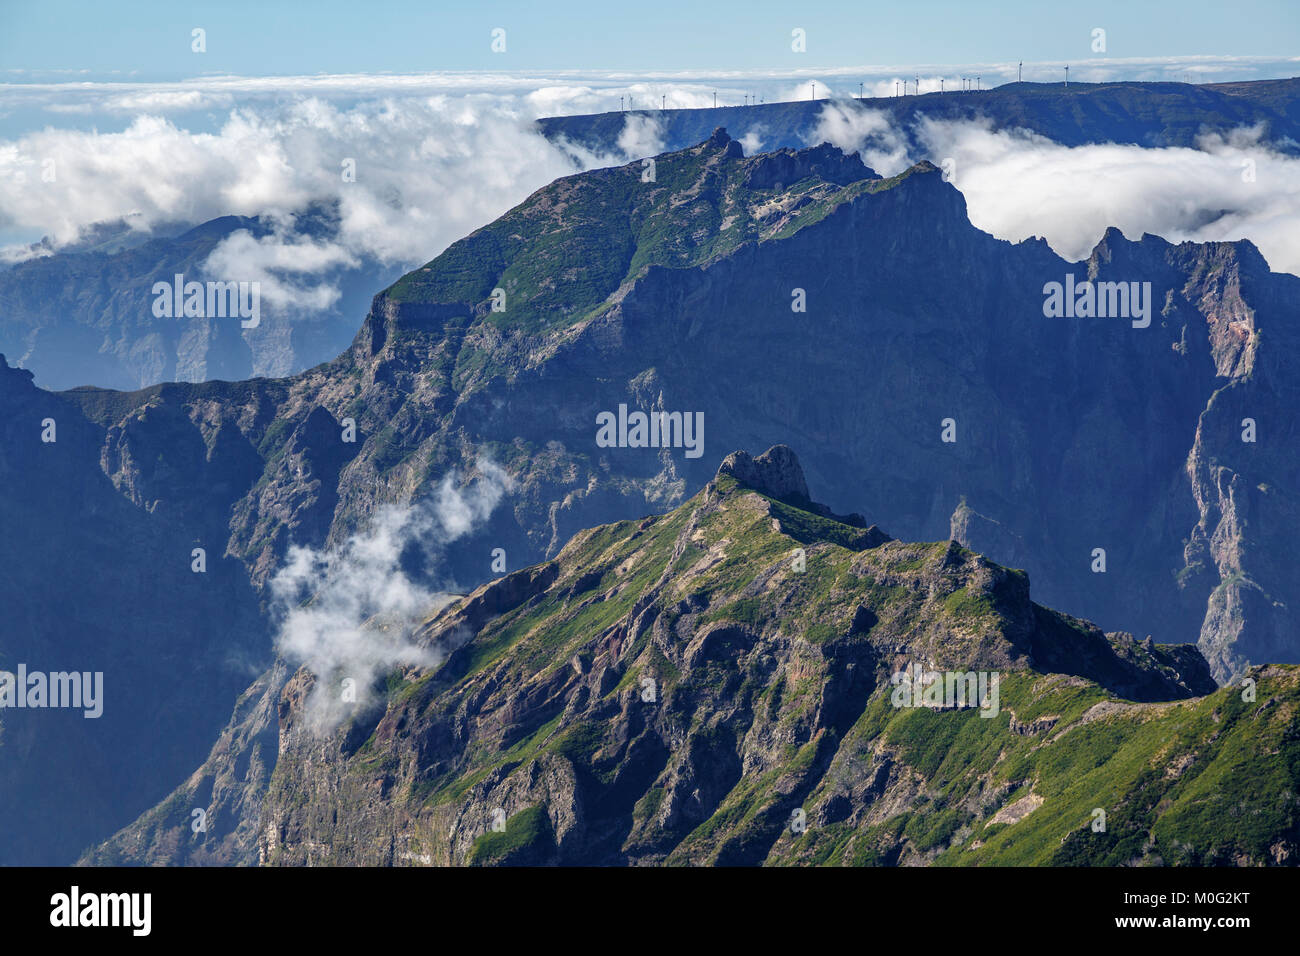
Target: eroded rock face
{"x": 788, "y": 166}
{"x": 1041, "y": 408}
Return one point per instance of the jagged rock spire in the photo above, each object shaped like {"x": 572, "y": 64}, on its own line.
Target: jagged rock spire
{"x": 776, "y": 472}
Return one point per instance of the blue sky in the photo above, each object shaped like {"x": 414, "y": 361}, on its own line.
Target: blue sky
{"x": 151, "y": 40}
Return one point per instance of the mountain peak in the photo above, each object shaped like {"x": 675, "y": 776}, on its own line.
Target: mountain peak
{"x": 830, "y": 163}
{"x": 776, "y": 472}
{"x": 721, "y": 140}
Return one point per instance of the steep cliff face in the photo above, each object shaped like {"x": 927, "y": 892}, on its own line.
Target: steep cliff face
{"x": 1070, "y": 433}
{"x": 228, "y": 789}
{"x": 678, "y": 289}
{"x": 684, "y": 688}
{"x": 1242, "y": 464}
{"x": 97, "y": 583}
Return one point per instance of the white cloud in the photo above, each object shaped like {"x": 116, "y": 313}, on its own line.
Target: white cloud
{"x": 155, "y": 101}
{"x": 439, "y": 155}
{"x": 1018, "y": 184}
{"x": 752, "y": 141}
{"x": 642, "y": 136}
{"x": 350, "y": 613}
{"x": 273, "y": 261}
{"x": 152, "y": 171}
{"x": 428, "y": 170}
{"x": 868, "y": 132}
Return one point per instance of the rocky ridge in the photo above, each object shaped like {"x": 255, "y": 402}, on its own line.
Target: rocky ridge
{"x": 680, "y": 688}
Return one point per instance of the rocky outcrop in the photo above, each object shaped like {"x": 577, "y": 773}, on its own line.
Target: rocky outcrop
{"x": 776, "y": 472}
{"x": 783, "y": 167}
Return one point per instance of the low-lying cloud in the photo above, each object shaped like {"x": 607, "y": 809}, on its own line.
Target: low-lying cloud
{"x": 285, "y": 265}
{"x": 349, "y": 613}
{"x": 414, "y": 163}
{"x": 869, "y": 133}
{"x": 1018, "y": 184}
{"x": 407, "y": 176}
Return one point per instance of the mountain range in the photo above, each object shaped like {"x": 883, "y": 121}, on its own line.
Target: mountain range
{"x": 81, "y": 313}
{"x": 1151, "y": 115}
{"x": 792, "y": 296}
{"x": 728, "y": 684}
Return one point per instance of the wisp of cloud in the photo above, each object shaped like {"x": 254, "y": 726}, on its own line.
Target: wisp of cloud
{"x": 349, "y": 613}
